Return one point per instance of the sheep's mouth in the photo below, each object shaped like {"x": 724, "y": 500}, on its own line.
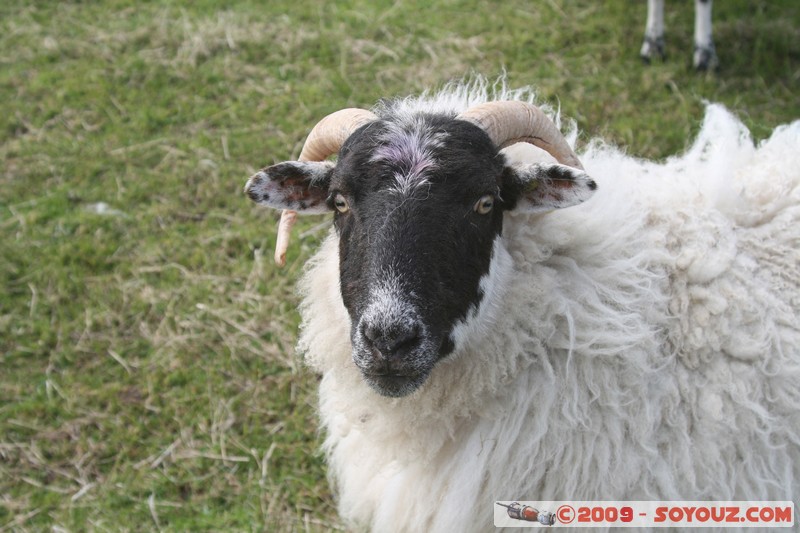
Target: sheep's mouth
{"x": 394, "y": 385}
{"x": 400, "y": 373}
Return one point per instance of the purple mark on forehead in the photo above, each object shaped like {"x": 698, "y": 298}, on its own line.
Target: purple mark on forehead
{"x": 408, "y": 147}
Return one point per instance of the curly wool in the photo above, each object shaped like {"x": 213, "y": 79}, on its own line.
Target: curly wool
{"x": 645, "y": 346}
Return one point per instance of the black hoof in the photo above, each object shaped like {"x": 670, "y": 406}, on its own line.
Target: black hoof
{"x": 653, "y": 46}
{"x": 705, "y": 58}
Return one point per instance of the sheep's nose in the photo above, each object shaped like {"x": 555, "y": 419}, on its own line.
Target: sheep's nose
{"x": 394, "y": 341}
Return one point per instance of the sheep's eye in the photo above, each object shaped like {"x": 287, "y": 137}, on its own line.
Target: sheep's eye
{"x": 341, "y": 204}
{"x": 485, "y": 204}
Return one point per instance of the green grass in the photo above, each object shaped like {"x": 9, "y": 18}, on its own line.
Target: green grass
{"x": 148, "y": 379}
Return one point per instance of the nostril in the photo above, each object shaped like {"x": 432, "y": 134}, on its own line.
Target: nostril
{"x": 392, "y": 341}
{"x": 372, "y": 334}
{"x": 404, "y": 340}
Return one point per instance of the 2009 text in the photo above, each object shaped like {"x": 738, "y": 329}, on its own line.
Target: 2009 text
{"x": 736, "y": 514}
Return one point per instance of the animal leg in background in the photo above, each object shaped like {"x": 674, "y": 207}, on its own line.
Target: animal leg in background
{"x": 654, "y": 32}
{"x": 705, "y": 56}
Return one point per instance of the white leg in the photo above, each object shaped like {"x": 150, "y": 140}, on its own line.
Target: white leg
{"x": 654, "y": 31}
{"x": 705, "y": 57}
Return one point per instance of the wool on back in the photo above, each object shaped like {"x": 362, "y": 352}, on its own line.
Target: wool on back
{"x": 643, "y": 345}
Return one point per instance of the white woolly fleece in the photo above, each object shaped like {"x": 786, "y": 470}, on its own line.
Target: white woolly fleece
{"x": 649, "y": 348}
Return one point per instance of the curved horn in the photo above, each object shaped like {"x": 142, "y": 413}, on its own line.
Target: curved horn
{"x": 331, "y": 132}
{"x": 325, "y": 139}
{"x": 288, "y": 218}
{"x": 510, "y": 122}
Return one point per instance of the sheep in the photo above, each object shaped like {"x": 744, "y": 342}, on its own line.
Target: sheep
{"x": 510, "y": 323}
{"x": 705, "y": 56}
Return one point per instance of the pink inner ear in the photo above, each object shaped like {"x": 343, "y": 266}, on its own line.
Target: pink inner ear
{"x": 296, "y": 186}
{"x": 295, "y": 190}
{"x": 561, "y": 184}
{"x": 552, "y": 187}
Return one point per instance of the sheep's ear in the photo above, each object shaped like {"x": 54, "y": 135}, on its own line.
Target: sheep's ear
{"x": 296, "y": 185}
{"x": 539, "y": 187}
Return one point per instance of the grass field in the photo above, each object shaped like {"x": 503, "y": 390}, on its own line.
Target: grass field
{"x": 147, "y": 374}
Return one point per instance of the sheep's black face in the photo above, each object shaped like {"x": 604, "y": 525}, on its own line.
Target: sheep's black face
{"x": 418, "y": 205}
{"x": 417, "y": 208}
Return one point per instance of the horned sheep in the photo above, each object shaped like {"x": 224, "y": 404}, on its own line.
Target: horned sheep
{"x": 479, "y": 343}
